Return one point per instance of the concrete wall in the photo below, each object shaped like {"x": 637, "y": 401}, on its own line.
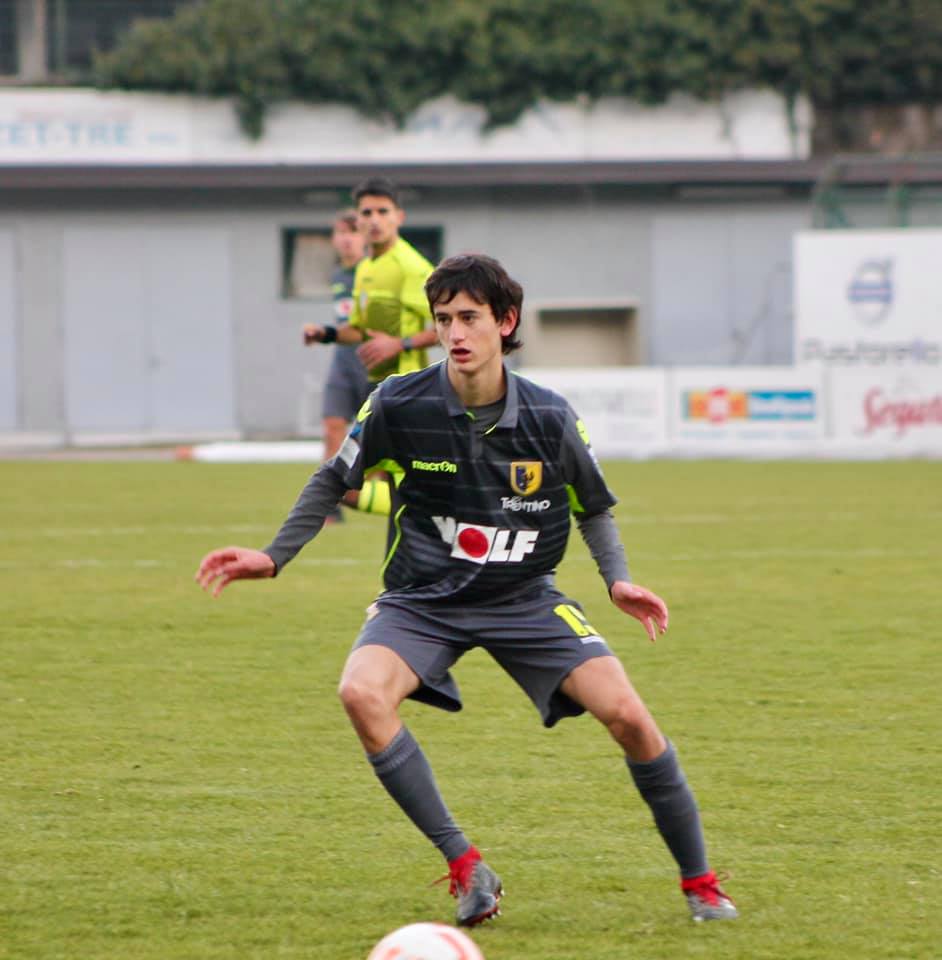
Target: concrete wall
{"x": 169, "y": 314}
{"x": 168, "y": 307}
{"x": 722, "y": 283}
{"x": 9, "y": 340}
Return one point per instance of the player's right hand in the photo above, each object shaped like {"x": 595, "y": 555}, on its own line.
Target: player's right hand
{"x": 220, "y": 567}
{"x": 312, "y": 333}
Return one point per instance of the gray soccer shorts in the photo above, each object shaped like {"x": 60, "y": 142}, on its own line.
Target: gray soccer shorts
{"x": 343, "y": 397}
{"x": 539, "y": 641}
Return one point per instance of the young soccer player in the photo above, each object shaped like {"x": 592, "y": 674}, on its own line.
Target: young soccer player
{"x": 488, "y": 468}
{"x": 347, "y": 385}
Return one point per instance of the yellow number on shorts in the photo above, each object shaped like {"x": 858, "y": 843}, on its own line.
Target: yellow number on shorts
{"x": 575, "y": 619}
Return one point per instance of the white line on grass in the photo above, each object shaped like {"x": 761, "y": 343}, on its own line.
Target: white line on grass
{"x": 807, "y": 553}
{"x": 66, "y": 532}
{"x": 761, "y": 553}
{"x": 330, "y": 562}
{"x": 144, "y": 563}
{"x": 695, "y": 519}
{"x": 677, "y": 519}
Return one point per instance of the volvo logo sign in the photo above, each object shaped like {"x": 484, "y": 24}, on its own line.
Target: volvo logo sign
{"x": 870, "y": 291}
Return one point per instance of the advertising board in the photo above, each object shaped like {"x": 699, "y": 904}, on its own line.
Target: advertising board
{"x": 891, "y": 412}
{"x": 623, "y": 409}
{"x": 743, "y": 409}
{"x": 866, "y": 298}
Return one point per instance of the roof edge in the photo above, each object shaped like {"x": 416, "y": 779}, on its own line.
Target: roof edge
{"x": 729, "y": 173}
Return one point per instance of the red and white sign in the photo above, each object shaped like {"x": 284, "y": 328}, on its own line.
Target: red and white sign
{"x": 893, "y": 409}
{"x": 479, "y": 544}
{"x": 736, "y": 410}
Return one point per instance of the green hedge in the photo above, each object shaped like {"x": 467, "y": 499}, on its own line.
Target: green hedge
{"x": 386, "y": 57}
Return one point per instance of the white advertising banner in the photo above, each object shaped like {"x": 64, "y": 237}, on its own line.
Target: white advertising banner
{"x": 869, "y": 298}
{"x": 738, "y": 410}
{"x": 624, "y": 409}
{"x": 78, "y": 125}
{"x": 889, "y": 411}
{"x": 86, "y": 126}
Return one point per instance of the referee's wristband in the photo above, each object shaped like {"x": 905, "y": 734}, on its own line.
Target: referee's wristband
{"x": 330, "y": 335}
{"x": 406, "y": 344}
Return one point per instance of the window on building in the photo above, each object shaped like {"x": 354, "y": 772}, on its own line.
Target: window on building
{"x": 308, "y": 258}
{"x": 582, "y": 335}
{"x": 77, "y": 27}
{"x": 427, "y": 240}
{"x": 8, "y": 56}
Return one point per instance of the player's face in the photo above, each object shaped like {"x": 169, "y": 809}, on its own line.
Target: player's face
{"x": 379, "y": 220}
{"x": 348, "y": 243}
{"x": 470, "y": 334}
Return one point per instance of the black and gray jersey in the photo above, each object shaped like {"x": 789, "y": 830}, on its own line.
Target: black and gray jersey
{"x": 475, "y": 514}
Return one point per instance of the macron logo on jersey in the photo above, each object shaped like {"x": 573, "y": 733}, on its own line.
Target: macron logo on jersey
{"x": 435, "y": 466}
{"x": 469, "y": 541}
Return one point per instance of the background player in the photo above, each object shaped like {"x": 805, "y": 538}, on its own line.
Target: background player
{"x": 347, "y": 385}
{"x": 488, "y": 467}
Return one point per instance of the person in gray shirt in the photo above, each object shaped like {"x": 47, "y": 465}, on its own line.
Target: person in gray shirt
{"x": 488, "y": 468}
{"x": 348, "y": 384}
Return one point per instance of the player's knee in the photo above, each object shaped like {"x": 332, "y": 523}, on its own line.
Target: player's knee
{"x": 628, "y": 718}
{"x": 634, "y": 729}
{"x": 622, "y": 717}
{"x": 362, "y": 700}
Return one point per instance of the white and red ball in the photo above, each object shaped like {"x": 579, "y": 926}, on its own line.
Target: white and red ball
{"x": 426, "y": 941}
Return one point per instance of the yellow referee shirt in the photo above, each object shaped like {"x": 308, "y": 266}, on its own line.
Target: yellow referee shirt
{"x": 389, "y": 295}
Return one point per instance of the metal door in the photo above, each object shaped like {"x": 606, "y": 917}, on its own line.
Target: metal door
{"x": 148, "y": 331}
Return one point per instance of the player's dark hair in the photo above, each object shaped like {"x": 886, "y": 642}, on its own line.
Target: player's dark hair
{"x": 484, "y": 280}
{"x": 347, "y": 216}
{"x": 376, "y": 187}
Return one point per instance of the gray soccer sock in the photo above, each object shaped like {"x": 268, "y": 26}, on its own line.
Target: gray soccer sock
{"x": 664, "y": 788}
{"x": 407, "y": 777}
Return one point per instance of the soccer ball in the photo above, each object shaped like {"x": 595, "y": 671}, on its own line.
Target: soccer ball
{"x": 426, "y": 941}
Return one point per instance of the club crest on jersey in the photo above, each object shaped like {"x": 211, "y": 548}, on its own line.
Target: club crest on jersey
{"x": 526, "y": 476}
{"x": 343, "y": 307}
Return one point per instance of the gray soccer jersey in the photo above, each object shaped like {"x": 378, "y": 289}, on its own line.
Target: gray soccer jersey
{"x": 473, "y": 515}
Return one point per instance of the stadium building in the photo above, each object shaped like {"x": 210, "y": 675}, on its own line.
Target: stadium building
{"x": 156, "y": 266}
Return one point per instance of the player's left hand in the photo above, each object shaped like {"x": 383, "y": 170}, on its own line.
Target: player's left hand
{"x": 643, "y": 605}
{"x": 379, "y": 348}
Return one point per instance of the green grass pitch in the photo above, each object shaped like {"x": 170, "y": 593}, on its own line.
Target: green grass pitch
{"x": 178, "y": 780}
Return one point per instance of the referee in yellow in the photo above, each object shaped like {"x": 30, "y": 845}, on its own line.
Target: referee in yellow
{"x": 390, "y": 317}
